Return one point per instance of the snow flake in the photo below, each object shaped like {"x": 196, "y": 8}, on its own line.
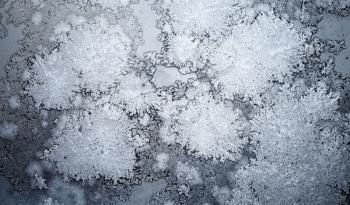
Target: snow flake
{"x": 94, "y": 143}
{"x": 255, "y": 54}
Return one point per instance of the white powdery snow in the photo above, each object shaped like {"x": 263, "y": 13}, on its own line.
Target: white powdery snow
{"x": 35, "y": 171}
{"x": 183, "y": 48}
{"x": 36, "y": 18}
{"x": 111, "y": 4}
{"x": 136, "y": 93}
{"x": 199, "y": 16}
{"x": 54, "y": 83}
{"x": 14, "y": 102}
{"x": 298, "y": 148}
{"x": 162, "y": 161}
{"x": 208, "y": 128}
{"x": 94, "y": 143}
{"x": 62, "y": 27}
{"x": 62, "y": 193}
{"x": 255, "y": 54}
{"x": 167, "y": 76}
{"x": 187, "y": 174}
{"x": 92, "y": 57}
{"x": 98, "y": 51}
{"x": 8, "y": 130}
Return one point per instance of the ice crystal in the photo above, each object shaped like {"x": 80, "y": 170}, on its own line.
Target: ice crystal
{"x": 92, "y": 57}
{"x": 256, "y": 54}
{"x": 298, "y": 150}
{"x": 199, "y": 16}
{"x": 209, "y": 129}
{"x": 94, "y": 143}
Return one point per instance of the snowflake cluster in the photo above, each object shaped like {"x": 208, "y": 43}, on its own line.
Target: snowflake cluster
{"x": 111, "y": 4}
{"x": 299, "y": 147}
{"x": 93, "y": 143}
{"x": 92, "y": 56}
{"x": 136, "y": 93}
{"x": 209, "y": 129}
{"x": 183, "y": 48}
{"x": 199, "y": 16}
{"x": 228, "y": 82}
{"x": 255, "y": 54}
{"x": 187, "y": 174}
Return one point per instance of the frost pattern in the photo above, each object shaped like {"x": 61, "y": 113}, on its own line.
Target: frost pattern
{"x": 199, "y": 16}
{"x": 94, "y": 143}
{"x": 255, "y": 54}
{"x": 187, "y": 174}
{"x": 8, "y": 130}
{"x": 209, "y": 129}
{"x": 63, "y": 193}
{"x": 299, "y": 148}
{"x": 162, "y": 161}
{"x": 183, "y": 48}
{"x": 92, "y": 57}
{"x": 111, "y": 4}
{"x": 136, "y": 93}
{"x": 55, "y": 84}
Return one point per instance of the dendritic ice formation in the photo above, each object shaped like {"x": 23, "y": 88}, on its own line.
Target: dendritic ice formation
{"x": 209, "y": 129}
{"x": 93, "y": 143}
{"x": 199, "y": 17}
{"x": 110, "y": 4}
{"x": 135, "y": 102}
{"x": 92, "y": 57}
{"x": 256, "y": 53}
{"x": 298, "y": 145}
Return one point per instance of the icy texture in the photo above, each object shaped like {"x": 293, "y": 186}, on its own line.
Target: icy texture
{"x": 162, "y": 161}
{"x": 187, "y": 174}
{"x": 63, "y": 193}
{"x": 298, "y": 150}
{"x": 183, "y": 48}
{"x": 174, "y": 102}
{"x": 14, "y": 102}
{"x": 50, "y": 201}
{"x": 93, "y": 57}
{"x": 255, "y": 54}
{"x": 34, "y": 170}
{"x": 111, "y": 4}
{"x": 36, "y": 18}
{"x": 54, "y": 82}
{"x": 199, "y": 16}
{"x": 168, "y": 76}
{"x": 209, "y": 129}
{"x": 136, "y": 93}
{"x": 8, "y": 130}
{"x": 94, "y": 143}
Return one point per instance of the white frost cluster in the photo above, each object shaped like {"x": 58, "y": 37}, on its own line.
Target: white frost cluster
{"x": 136, "y": 93}
{"x": 298, "y": 151}
{"x": 111, "y": 4}
{"x": 8, "y": 130}
{"x": 93, "y": 56}
{"x": 162, "y": 161}
{"x": 256, "y": 54}
{"x": 94, "y": 143}
{"x": 34, "y": 170}
{"x": 209, "y": 129}
{"x": 183, "y": 48}
{"x": 50, "y": 201}
{"x": 199, "y": 16}
{"x": 14, "y": 102}
{"x": 55, "y": 85}
{"x": 63, "y": 193}
{"x": 36, "y": 18}
{"x": 187, "y": 174}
